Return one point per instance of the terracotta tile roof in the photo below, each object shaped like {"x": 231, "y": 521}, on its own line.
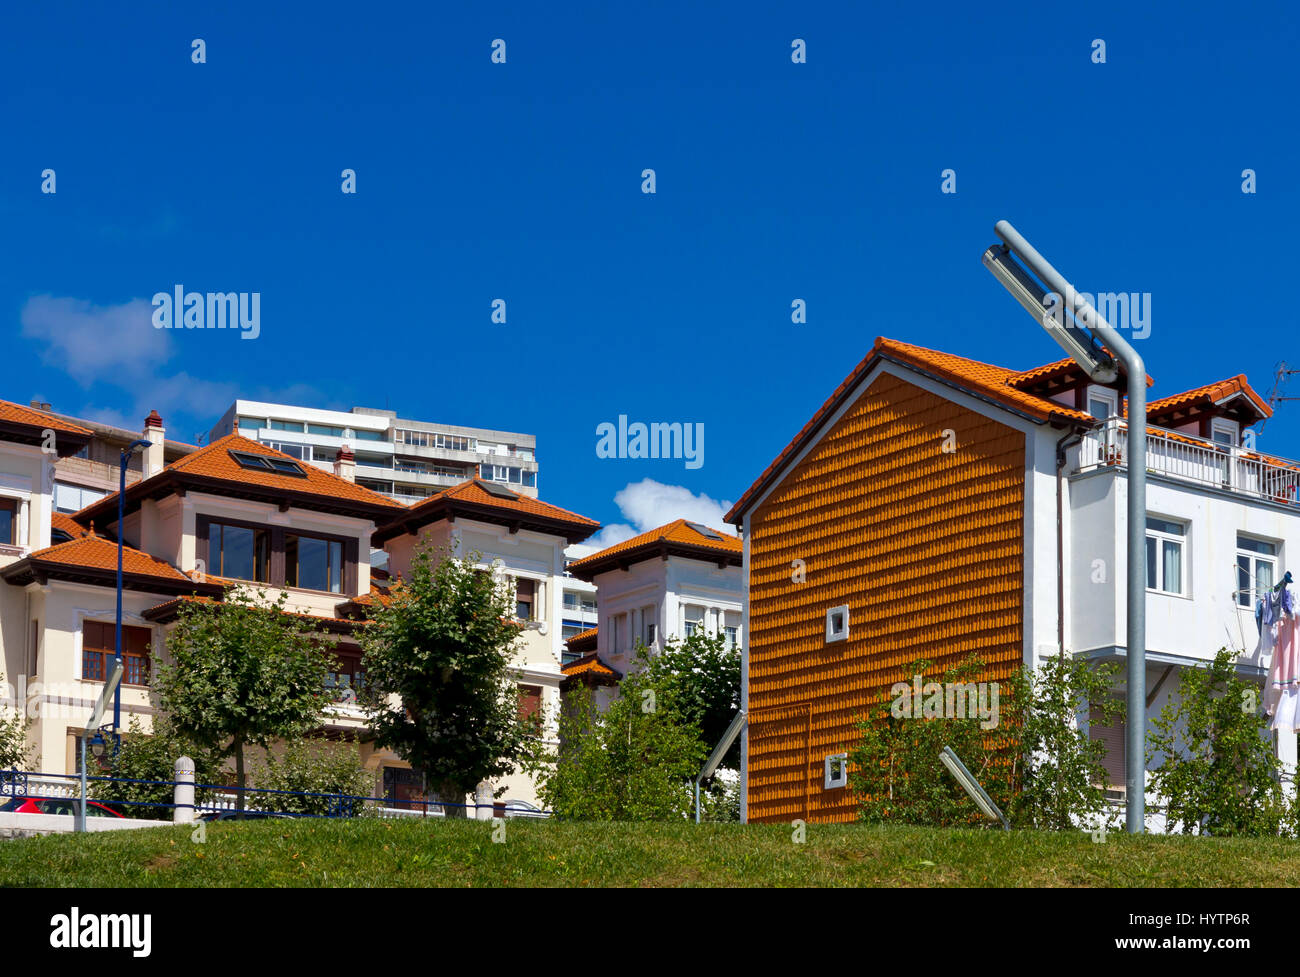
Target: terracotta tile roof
{"x": 995, "y": 383}
{"x": 1211, "y": 393}
{"x": 582, "y": 636}
{"x": 99, "y": 553}
{"x": 17, "y": 414}
{"x": 63, "y": 521}
{"x": 213, "y": 468}
{"x": 493, "y": 503}
{"x": 1057, "y": 368}
{"x": 589, "y": 664}
{"x": 679, "y": 536}
{"x": 94, "y": 557}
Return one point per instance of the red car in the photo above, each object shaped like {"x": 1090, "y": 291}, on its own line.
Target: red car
{"x": 56, "y": 805}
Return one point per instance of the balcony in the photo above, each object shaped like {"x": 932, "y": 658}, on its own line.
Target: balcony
{"x": 1191, "y": 459}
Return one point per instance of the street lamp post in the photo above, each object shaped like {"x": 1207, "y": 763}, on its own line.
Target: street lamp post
{"x": 1084, "y": 343}
{"x": 117, "y": 646}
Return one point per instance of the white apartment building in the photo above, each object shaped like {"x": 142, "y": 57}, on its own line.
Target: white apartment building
{"x": 663, "y": 585}
{"x": 579, "y": 601}
{"x": 406, "y": 460}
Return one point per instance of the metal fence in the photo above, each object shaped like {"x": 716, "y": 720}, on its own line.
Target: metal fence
{"x": 214, "y": 800}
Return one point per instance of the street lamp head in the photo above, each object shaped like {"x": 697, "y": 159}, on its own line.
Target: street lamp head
{"x": 137, "y": 443}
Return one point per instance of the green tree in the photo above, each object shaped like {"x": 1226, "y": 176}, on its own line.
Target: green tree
{"x": 152, "y": 757}
{"x": 314, "y": 767}
{"x": 439, "y": 684}
{"x": 702, "y": 676}
{"x": 634, "y": 762}
{"x": 1059, "y": 769}
{"x": 14, "y": 749}
{"x": 242, "y": 673}
{"x": 1217, "y": 768}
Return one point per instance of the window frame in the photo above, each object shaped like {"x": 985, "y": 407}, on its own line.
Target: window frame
{"x": 13, "y": 508}
{"x": 1162, "y": 537}
{"x": 136, "y": 662}
{"x": 1255, "y": 558}
{"x": 277, "y": 572}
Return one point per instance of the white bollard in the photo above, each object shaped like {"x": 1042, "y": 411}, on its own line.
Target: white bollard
{"x": 183, "y": 796}
{"x": 483, "y": 799}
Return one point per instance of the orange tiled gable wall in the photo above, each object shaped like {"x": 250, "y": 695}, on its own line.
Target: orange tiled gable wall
{"x": 925, "y": 547}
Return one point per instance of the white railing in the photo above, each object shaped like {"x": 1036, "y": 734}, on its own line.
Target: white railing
{"x": 1194, "y": 459}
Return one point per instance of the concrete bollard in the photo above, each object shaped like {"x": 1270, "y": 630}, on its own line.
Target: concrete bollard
{"x": 183, "y": 795}
{"x": 483, "y": 800}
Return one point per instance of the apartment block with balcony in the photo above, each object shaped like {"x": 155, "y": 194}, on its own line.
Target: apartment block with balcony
{"x": 92, "y": 472}
{"x": 406, "y": 460}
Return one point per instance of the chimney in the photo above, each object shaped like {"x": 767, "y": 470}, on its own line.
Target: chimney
{"x": 345, "y": 466}
{"x": 152, "y": 458}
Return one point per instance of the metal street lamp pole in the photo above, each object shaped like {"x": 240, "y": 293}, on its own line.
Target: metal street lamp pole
{"x": 1099, "y": 364}
{"x": 121, "y": 515}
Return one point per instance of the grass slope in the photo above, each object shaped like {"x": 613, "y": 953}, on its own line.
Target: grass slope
{"x": 435, "y": 853}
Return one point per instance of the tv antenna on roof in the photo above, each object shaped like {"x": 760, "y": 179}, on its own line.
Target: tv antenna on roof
{"x": 1280, "y": 375}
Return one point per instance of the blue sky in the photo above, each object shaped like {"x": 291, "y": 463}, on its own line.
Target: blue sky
{"x": 522, "y": 181}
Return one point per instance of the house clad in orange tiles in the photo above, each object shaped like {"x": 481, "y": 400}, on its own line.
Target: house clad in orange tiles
{"x": 937, "y": 507}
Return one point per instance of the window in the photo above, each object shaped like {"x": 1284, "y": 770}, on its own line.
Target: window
{"x": 257, "y": 423}
{"x": 300, "y": 451}
{"x": 1165, "y": 540}
{"x": 287, "y": 426}
{"x": 312, "y": 563}
{"x": 325, "y": 430}
{"x": 837, "y": 623}
{"x": 733, "y": 636}
{"x": 1099, "y": 407}
{"x": 345, "y": 678}
{"x": 9, "y": 522}
{"x": 525, "y": 596}
{"x": 571, "y": 601}
{"x": 1223, "y": 432}
{"x": 374, "y": 460}
{"x": 613, "y": 634}
{"x": 73, "y": 498}
{"x": 530, "y": 702}
{"x": 239, "y": 552}
{"x": 571, "y": 629}
{"x": 375, "y": 486}
{"x": 369, "y": 435}
{"x": 1256, "y": 569}
{"x": 98, "y": 640}
{"x": 1113, "y": 738}
{"x": 267, "y": 463}
{"x": 836, "y": 769}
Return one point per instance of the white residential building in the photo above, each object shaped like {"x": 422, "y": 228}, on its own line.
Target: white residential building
{"x": 403, "y": 459}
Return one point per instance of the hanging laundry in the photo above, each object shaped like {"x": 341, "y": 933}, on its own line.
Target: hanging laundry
{"x": 1282, "y": 696}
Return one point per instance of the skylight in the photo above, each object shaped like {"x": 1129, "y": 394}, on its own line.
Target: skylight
{"x": 268, "y": 463}
{"x": 500, "y": 491}
{"x": 704, "y": 531}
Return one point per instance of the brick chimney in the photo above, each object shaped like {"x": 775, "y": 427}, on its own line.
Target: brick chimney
{"x": 152, "y": 458}
{"x": 345, "y": 466}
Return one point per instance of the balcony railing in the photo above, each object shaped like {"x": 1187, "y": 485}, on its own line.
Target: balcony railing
{"x": 1197, "y": 460}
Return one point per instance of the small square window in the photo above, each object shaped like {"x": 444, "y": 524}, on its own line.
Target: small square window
{"x": 837, "y": 623}
{"x": 837, "y": 771}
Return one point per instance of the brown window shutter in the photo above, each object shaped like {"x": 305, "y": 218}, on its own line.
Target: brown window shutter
{"x": 1113, "y": 737}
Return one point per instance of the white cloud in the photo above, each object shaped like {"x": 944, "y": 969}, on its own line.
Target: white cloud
{"x": 648, "y": 504}
{"x": 93, "y": 342}
{"x": 118, "y": 346}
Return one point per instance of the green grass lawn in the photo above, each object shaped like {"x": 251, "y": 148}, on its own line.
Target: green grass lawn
{"x": 548, "y": 853}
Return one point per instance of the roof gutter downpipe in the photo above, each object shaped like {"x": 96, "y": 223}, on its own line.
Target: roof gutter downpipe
{"x": 1084, "y": 313}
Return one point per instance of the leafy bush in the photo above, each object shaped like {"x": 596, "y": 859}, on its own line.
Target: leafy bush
{"x": 1218, "y": 770}
{"x": 1039, "y": 765}
{"x": 152, "y": 757}
{"x": 635, "y": 762}
{"x": 895, "y": 769}
{"x": 314, "y": 767}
